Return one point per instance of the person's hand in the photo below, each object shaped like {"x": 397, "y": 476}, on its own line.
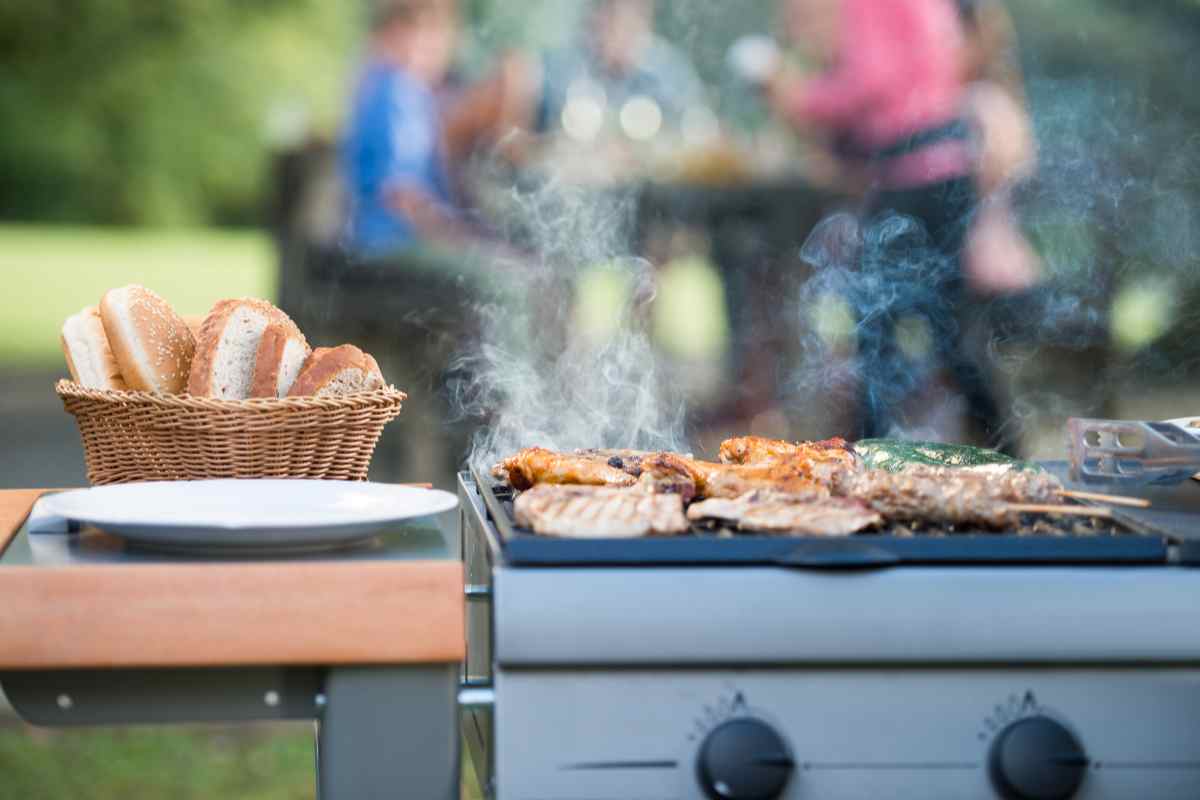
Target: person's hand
{"x": 519, "y": 81}
{"x": 497, "y": 111}
{"x": 785, "y": 92}
{"x": 518, "y": 85}
{"x": 1008, "y": 151}
{"x": 431, "y": 219}
{"x": 998, "y": 258}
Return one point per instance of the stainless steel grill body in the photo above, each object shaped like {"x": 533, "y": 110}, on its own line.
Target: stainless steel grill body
{"x": 900, "y": 682}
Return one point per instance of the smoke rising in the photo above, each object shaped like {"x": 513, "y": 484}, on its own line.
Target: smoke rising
{"x": 540, "y": 373}
{"x": 1113, "y": 205}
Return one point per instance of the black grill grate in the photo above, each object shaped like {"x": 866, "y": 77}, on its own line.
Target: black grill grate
{"x": 1041, "y": 540}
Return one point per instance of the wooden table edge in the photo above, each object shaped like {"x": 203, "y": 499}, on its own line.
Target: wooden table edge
{"x": 15, "y": 507}
{"x": 240, "y": 614}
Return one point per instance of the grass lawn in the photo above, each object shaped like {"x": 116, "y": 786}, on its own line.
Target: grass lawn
{"x": 260, "y": 762}
{"x": 53, "y": 271}
{"x": 194, "y": 763}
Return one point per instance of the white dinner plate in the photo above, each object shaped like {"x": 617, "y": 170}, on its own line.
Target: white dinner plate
{"x": 247, "y": 514}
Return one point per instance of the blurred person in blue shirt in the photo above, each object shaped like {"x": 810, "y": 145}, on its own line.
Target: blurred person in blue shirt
{"x": 412, "y": 123}
{"x": 393, "y": 154}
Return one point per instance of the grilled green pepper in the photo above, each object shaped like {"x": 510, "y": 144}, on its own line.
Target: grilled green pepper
{"x": 894, "y": 455}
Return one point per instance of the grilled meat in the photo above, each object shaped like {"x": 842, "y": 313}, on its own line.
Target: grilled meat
{"x": 756, "y": 450}
{"x": 656, "y": 473}
{"x": 775, "y": 512}
{"x": 790, "y": 476}
{"x": 946, "y": 495}
{"x": 627, "y": 460}
{"x": 660, "y": 472}
{"x": 598, "y": 512}
{"x": 810, "y": 473}
{"x": 667, "y": 473}
{"x": 1011, "y": 486}
{"x": 536, "y": 465}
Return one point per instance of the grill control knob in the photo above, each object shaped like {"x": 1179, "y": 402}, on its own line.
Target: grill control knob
{"x": 744, "y": 759}
{"x": 1037, "y": 759}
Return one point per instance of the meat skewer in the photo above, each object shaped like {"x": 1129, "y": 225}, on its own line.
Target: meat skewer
{"x": 1112, "y": 499}
{"x": 948, "y": 496}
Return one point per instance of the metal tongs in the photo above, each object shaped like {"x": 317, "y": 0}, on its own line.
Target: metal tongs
{"x": 1146, "y": 453}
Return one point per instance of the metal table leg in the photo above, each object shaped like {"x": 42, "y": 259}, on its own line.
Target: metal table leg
{"x": 389, "y": 733}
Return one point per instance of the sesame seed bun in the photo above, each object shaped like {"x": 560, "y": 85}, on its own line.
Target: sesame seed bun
{"x": 151, "y": 343}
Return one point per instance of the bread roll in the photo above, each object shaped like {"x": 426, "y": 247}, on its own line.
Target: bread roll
{"x": 194, "y": 321}
{"x": 281, "y": 354}
{"x": 89, "y": 356}
{"x": 228, "y": 345}
{"x": 151, "y": 343}
{"x": 333, "y": 371}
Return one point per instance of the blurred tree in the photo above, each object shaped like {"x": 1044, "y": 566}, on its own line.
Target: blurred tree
{"x": 132, "y": 111}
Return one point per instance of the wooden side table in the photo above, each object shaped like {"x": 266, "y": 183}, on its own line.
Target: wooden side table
{"x": 366, "y": 641}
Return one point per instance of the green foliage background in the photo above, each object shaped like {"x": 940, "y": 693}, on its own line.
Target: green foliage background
{"x": 166, "y": 111}
{"x": 157, "y": 111}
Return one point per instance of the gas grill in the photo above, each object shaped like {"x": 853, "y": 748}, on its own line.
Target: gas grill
{"x": 1015, "y": 664}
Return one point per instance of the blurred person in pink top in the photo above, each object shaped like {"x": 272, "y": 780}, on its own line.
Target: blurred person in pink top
{"x": 892, "y": 99}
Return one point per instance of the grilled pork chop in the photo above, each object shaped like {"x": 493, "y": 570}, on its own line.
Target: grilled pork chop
{"x": 776, "y": 512}
{"x": 598, "y": 512}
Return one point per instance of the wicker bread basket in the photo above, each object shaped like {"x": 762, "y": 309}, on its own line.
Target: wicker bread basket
{"x": 139, "y": 436}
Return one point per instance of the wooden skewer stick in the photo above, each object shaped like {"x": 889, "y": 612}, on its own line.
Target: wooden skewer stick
{"x": 1111, "y": 499}
{"x": 1063, "y": 510}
